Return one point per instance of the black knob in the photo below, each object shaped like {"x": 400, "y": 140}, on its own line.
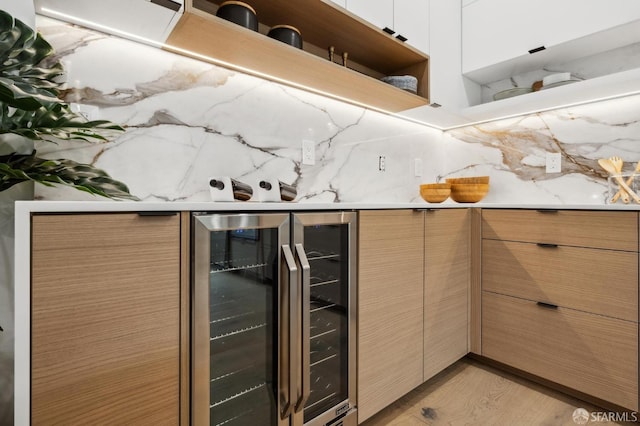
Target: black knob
{"x": 218, "y": 184}
{"x": 266, "y": 185}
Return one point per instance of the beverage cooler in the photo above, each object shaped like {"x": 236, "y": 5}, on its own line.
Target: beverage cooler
{"x": 274, "y": 326}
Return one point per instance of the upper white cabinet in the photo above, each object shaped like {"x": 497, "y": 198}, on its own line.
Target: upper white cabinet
{"x": 407, "y": 19}
{"x": 377, "y": 12}
{"x": 411, "y": 19}
{"x": 498, "y": 35}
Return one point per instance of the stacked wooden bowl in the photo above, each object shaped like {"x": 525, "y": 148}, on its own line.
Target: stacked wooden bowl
{"x": 469, "y": 189}
{"x": 435, "y": 192}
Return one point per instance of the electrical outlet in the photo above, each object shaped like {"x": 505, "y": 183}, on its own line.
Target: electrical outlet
{"x": 382, "y": 163}
{"x": 417, "y": 167}
{"x": 89, "y": 112}
{"x": 308, "y": 152}
{"x": 554, "y": 160}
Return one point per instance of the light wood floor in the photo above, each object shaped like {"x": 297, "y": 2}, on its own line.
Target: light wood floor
{"x": 472, "y": 393}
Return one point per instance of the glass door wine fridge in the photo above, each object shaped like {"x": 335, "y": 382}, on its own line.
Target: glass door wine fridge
{"x": 273, "y": 326}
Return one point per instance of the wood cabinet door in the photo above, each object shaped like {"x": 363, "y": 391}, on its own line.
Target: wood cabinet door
{"x": 593, "y": 354}
{"x": 390, "y": 308}
{"x": 613, "y": 230}
{"x": 105, "y": 331}
{"x": 446, "y": 288}
{"x": 572, "y": 277}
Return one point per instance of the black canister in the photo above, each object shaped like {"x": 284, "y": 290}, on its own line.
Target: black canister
{"x": 286, "y": 34}
{"x": 239, "y": 13}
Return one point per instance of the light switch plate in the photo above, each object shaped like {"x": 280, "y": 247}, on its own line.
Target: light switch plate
{"x": 308, "y": 152}
{"x": 89, "y": 112}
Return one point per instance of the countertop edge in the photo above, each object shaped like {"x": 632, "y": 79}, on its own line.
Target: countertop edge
{"x": 133, "y": 206}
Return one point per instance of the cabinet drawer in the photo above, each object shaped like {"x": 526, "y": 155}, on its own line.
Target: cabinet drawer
{"x": 598, "y": 229}
{"x": 592, "y": 280}
{"x": 593, "y": 354}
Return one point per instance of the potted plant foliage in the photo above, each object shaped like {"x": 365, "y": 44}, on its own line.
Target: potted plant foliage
{"x": 30, "y": 110}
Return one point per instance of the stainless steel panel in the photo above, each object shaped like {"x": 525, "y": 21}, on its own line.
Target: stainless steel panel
{"x": 202, "y": 226}
{"x": 229, "y": 222}
{"x": 200, "y": 326}
{"x": 300, "y": 221}
{"x": 288, "y": 297}
{"x": 305, "y": 326}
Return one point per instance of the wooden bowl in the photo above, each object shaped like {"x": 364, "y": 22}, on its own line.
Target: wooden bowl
{"x": 468, "y": 192}
{"x": 469, "y": 179}
{"x": 435, "y": 192}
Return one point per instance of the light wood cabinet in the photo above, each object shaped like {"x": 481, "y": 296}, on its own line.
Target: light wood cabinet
{"x": 446, "y": 288}
{"x": 597, "y": 229}
{"x": 594, "y": 354}
{"x": 560, "y": 298}
{"x": 414, "y": 271}
{"x": 571, "y": 277}
{"x": 107, "y": 319}
{"x": 390, "y": 307}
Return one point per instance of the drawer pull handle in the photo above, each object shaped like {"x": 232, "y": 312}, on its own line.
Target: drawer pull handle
{"x": 547, "y": 211}
{"x": 547, "y": 245}
{"x": 157, "y": 213}
{"x": 388, "y": 31}
{"x": 537, "y": 49}
{"x": 547, "y": 305}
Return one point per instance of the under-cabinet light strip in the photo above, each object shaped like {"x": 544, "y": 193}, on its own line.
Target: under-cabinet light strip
{"x": 551, "y": 108}
{"x": 209, "y": 59}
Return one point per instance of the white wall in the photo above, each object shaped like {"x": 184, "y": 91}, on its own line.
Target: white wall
{"x": 20, "y": 9}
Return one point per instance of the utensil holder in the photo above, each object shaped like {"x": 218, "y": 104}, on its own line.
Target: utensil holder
{"x": 267, "y": 190}
{"x": 614, "y": 186}
{"x": 272, "y": 190}
{"x": 223, "y": 188}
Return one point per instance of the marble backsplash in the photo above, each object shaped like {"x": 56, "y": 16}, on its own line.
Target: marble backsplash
{"x": 187, "y": 120}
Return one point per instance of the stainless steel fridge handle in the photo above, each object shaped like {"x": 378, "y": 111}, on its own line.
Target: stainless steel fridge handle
{"x": 305, "y": 325}
{"x": 288, "y": 393}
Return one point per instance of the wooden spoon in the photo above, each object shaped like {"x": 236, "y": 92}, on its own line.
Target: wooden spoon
{"x": 629, "y": 182}
{"x": 617, "y": 164}
{"x": 609, "y": 167}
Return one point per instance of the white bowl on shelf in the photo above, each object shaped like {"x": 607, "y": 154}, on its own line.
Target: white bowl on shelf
{"x": 555, "y": 78}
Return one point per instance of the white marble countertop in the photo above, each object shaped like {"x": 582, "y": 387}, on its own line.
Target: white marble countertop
{"x": 124, "y": 206}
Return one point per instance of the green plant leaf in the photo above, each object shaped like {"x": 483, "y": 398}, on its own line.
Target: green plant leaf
{"x": 30, "y": 83}
{"x": 23, "y": 84}
{"x": 16, "y": 168}
{"x": 56, "y": 121}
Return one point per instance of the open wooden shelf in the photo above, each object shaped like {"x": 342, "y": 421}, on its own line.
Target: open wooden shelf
{"x": 372, "y": 53}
